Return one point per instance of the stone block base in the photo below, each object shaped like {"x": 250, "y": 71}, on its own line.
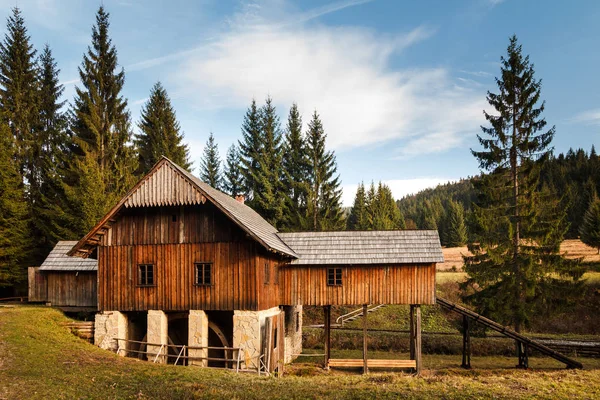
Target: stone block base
{"x": 108, "y": 326}
{"x": 158, "y": 334}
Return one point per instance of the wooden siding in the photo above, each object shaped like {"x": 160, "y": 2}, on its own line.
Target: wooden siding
{"x": 72, "y": 289}
{"x": 165, "y": 225}
{"x": 37, "y": 284}
{"x": 164, "y": 187}
{"x": 234, "y": 277}
{"x": 383, "y": 284}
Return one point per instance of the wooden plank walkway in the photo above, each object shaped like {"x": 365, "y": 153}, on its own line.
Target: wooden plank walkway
{"x": 371, "y": 363}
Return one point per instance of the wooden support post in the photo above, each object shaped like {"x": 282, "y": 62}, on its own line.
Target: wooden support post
{"x": 411, "y": 329}
{"x": 327, "y": 332}
{"x": 365, "y": 366}
{"x": 523, "y": 355}
{"x": 466, "y": 356}
{"x": 418, "y": 338}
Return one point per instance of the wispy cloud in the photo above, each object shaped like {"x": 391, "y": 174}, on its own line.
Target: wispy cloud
{"x": 342, "y": 72}
{"x": 590, "y": 117}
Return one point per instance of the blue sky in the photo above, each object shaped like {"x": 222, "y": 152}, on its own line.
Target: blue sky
{"x": 400, "y": 85}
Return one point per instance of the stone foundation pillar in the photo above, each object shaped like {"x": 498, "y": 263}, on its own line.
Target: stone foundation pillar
{"x": 293, "y": 332}
{"x": 198, "y": 336}
{"x": 247, "y": 334}
{"x": 108, "y": 326}
{"x": 158, "y": 333}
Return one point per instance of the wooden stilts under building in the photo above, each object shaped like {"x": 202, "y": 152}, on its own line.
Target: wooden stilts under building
{"x": 365, "y": 365}
{"x": 327, "y": 334}
{"x": 415, "y": 336}
{"x": 466, "y": 354}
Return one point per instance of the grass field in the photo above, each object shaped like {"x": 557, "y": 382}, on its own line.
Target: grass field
{"x": 573, "y": 248}
{"x": 40, "y": 359}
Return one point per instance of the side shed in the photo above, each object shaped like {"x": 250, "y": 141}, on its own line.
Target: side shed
{"x": 66, "y": 282}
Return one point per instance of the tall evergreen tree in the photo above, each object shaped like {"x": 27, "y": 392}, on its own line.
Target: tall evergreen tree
{"x": 358, "y": 220}
{"x": 160, "y": 132}
{"x": 251, "y": 148}
{"x": 324, "y": 209}
{"x": 590, "y": 228}
{"x": 18, "y": 90}
{"x": 456, "y": 230}
{"x": 100, "y": 127}
{"x": 51, "y": 154}
{"x": 516, "y": 264}
{"x": 14, "y": 232}
{"x": 295, "y": 172}
{"x": 268, "y": 199}
{"x": 385, "y": 213}
{"x": 233, "y": 181}
{"x": 210, "y": 164}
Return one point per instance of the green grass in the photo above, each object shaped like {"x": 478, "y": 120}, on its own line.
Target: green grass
{"x": 39, "y": 359}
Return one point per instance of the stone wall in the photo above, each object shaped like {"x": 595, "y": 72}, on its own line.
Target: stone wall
{"x": 248, "y": 329}
{"x": 158, "y": 333}
{"x": 198, "y": 336}
{"x": 108, "y": 326}
{"x": 293, "y": 332}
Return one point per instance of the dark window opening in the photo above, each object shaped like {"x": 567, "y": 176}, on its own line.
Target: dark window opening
{"x": 203, "y": 274}
{"x": 174, "y": 218}
{"x": 297, "y": 321}
{"x": 334, "y": 276}
{"x": 267, "y": 273}
{"x": 275, "y": 338}
{"x": 146, "y": 275}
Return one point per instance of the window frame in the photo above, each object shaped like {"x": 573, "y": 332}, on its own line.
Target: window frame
{"x": 142, "y": 278}
{"x": 203, "y": 264}
{"x": 334, "y": 276}
{"x": 267, "y": 272}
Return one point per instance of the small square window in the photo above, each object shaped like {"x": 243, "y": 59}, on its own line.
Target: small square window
{"x": 203, "y": 274}
{"x": 146, "y": 275}
{"x": 334, "y": 276}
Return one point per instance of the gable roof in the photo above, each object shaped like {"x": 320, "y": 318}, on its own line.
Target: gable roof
{"x": 169, "y": 184}
{"x": 365, "y": 247}
{"x": 58, "y": 260}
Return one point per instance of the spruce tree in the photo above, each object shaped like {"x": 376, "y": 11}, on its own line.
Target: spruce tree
{"x": 51, "y": 153}
{"x": 18, "y": 91}
{"x": 385, "y": 213}
{"x": 233, "y": 182}
{"x": 590, "y": 228}
{"x": 268, "y": 199}
{"x": 358, "y": 220}
{"x": 251, "y": 148}
{"x": 14, "y": 232}
{"x": 210, "y": 164}
{"x": 295, "y": 172}
{"x": 100, "y": 127}
{"x": 160, "y": 132}
{"x": 324, "y": 209}
{"x": 516, "y": 264}
{"x": 456, "y": 230}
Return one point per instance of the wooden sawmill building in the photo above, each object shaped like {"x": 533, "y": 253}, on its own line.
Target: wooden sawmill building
{"x": 182, "y": 264}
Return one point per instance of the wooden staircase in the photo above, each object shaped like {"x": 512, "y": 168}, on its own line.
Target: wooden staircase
{"x": 358, "y": 313}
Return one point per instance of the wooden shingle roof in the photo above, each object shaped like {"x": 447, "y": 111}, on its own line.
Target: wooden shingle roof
{"x": 58, "y": 260}
{"x": 168, "y": 184}
{"x": 365, "y": 247}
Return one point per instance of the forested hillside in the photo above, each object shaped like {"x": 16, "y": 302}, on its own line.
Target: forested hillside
{"x": 572, "y": 177}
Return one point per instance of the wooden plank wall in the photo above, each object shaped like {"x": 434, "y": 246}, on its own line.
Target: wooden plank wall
{"x": 72, "y": 289}
{"x": 384, "y": 284}
{"x": 234, "y": 283}
{"x": 37, "y": 290}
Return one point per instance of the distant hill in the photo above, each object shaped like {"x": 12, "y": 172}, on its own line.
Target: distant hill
{"x": 573, "y": 177}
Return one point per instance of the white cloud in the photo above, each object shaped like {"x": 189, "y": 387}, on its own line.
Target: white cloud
{"x": 590, "y": 117}
{"x": 342, "y": 72}
{"x": 399, "y": 187}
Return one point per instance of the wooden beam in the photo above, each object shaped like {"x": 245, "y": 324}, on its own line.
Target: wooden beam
{"x": 411, "y": 329}
{"x": 418, "y": 338}
{"x": 327, "y": 325}
{"x": 466, "y": 356}
{"x": 365, "y": 365}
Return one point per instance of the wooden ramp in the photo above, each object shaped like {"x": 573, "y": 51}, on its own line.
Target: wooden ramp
{"x": 465, "y": 312}
{"x": 359, "y": 363}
